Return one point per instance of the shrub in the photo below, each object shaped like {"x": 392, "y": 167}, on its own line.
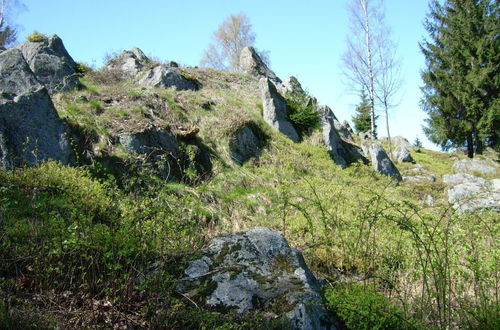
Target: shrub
{"x": 361, "y": 307}
{"x": 37, "y": 37}
{"x": 303, "y": 115}
{"x": 82, "y": 69}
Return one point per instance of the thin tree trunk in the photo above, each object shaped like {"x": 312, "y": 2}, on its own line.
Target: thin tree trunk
{"x": 387, "y": 124}
{"x": 478, "y": 142}
{"x": 371, "y": 88}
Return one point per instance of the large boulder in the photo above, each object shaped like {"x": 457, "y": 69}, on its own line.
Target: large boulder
{"x": 127, "y": 64}
{"x": 252, "y": 63}
{"x": 474, "y": 165}
{"x": 246, "y": 143}
{"x": 50, "y": 63}
{"x": 257, "y": 270}
{"x": 30, "y": 128}
{"x": 166, "y": 77}
{"x": 341, "y": 152}
{"x": 380, "y": 160}
{"x": 402, "y": 150}
{"x": 275, "y": 109}
{"x": 470, "y": 193}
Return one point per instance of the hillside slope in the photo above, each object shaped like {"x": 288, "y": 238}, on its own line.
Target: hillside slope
{"x": 103, "y": 240}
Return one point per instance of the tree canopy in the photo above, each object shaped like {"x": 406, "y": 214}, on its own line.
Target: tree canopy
{"x": 461, "y": 79}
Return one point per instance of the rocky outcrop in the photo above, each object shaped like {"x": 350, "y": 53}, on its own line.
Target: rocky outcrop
{"x": 257, "y": 270}
{"x": 166, "y": 77}
{"x": 252, "y": 63}
{"x": 474, "y": 165}
{"x": 292, "y": 85}
{"x": 275, "y": 109}
{"x": 50, "y": 63}
{"x": 380, "y": 160}
{"x": 246, "y": 143}
{"x": 341, "y": 152}
{"x": 471, "y": 193}
{"x": 402, "y": 150}
{"x": 127, "y": 64}
{"x": 30, "y": 128}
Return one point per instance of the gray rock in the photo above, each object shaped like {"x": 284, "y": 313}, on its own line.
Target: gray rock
{"x": 149, "y": 141}
{"x": 400, "y": 141}
{"x": 246, "y": 143}
{"x": 402, "y": 154}
{"x": 471, "y": 193}
{"x": 341, "y": 152}
{"x": 380, "y": 160}
{"x": 344, "y": 130}
{"x": 463, "y": 178}
{"x": 474, "y": 165}
{"x": 50, "y": 63}
{"x": 421, "y": 177}
{"x": 252, "y": 64}
{"x": 30, "y": 129}
{"x": 166, "y": 77}
{"x": 275, "y": 109}
{"x": 365, "y": 135}
{"x": 257, "y": 270}
{"x": 292, "y": 85}
{"x": 402, "y": 150}
{"x": 129, "y": 63}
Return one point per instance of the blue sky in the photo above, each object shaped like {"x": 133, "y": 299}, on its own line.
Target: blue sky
{"x": 305, "y": 39}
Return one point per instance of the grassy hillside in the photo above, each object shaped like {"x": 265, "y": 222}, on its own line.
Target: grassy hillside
{"x": 101, "y": 244}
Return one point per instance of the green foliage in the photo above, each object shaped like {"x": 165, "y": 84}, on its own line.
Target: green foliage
{"x": 361, "y": 307}
{"x": 36, "y": 37}
{"x": 82, "y": 69}
{"x": 362, "y": 118}
{"x": 461, "y": 79}
{"x": 417, "y": 143}
{"x": 303, "y": 116}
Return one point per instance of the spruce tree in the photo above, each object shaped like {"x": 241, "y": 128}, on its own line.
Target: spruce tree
{"x": 461, "y": 81}
{"x": 362, "y": 119}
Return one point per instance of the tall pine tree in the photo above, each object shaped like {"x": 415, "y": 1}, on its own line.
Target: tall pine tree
{"x": 461, "y": 81}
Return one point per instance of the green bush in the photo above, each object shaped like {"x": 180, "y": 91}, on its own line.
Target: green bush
{"x": 81, "y": 69}
{"x": 303, "y": 116}
{"x": 37, "y": 37}
{"x": 361, "y": 307}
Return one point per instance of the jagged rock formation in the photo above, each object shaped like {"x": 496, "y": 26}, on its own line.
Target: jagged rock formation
{"x": 246, "y": 143}
{"x": 341, "y": 152}
{"x": 275, "y": 109}
{"x": 257, "y": 270}
{"x": 252, "y": 64}
{"x": 380, "y": 160}
{"x": 474, "y": 165}
{"x": 30, "y": 129}
{"x": 292, "y": 84}
{"x": 50, "y": 63}
{"x": 166, "y": 77}
{"x": 402, "y": 150}
{"x": 128, "y": 64}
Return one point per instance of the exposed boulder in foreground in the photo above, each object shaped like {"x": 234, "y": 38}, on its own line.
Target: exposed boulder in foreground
{"x": 252, "y": 64}
{"x": 166, "y": 77}
{"x": 275, "y": 109}
{"x": 472, "y": 193}
{"x": 380, "y": 160}
{"x": 341, "y": 152}
{"x": 50, "y": 63}
{"x": 474, "y": 165}
{"x": 247, "y": 143}
{"x": 128, "y": 64}
{"x": 30, "y": 129}
{"x": 257, "y": 270}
